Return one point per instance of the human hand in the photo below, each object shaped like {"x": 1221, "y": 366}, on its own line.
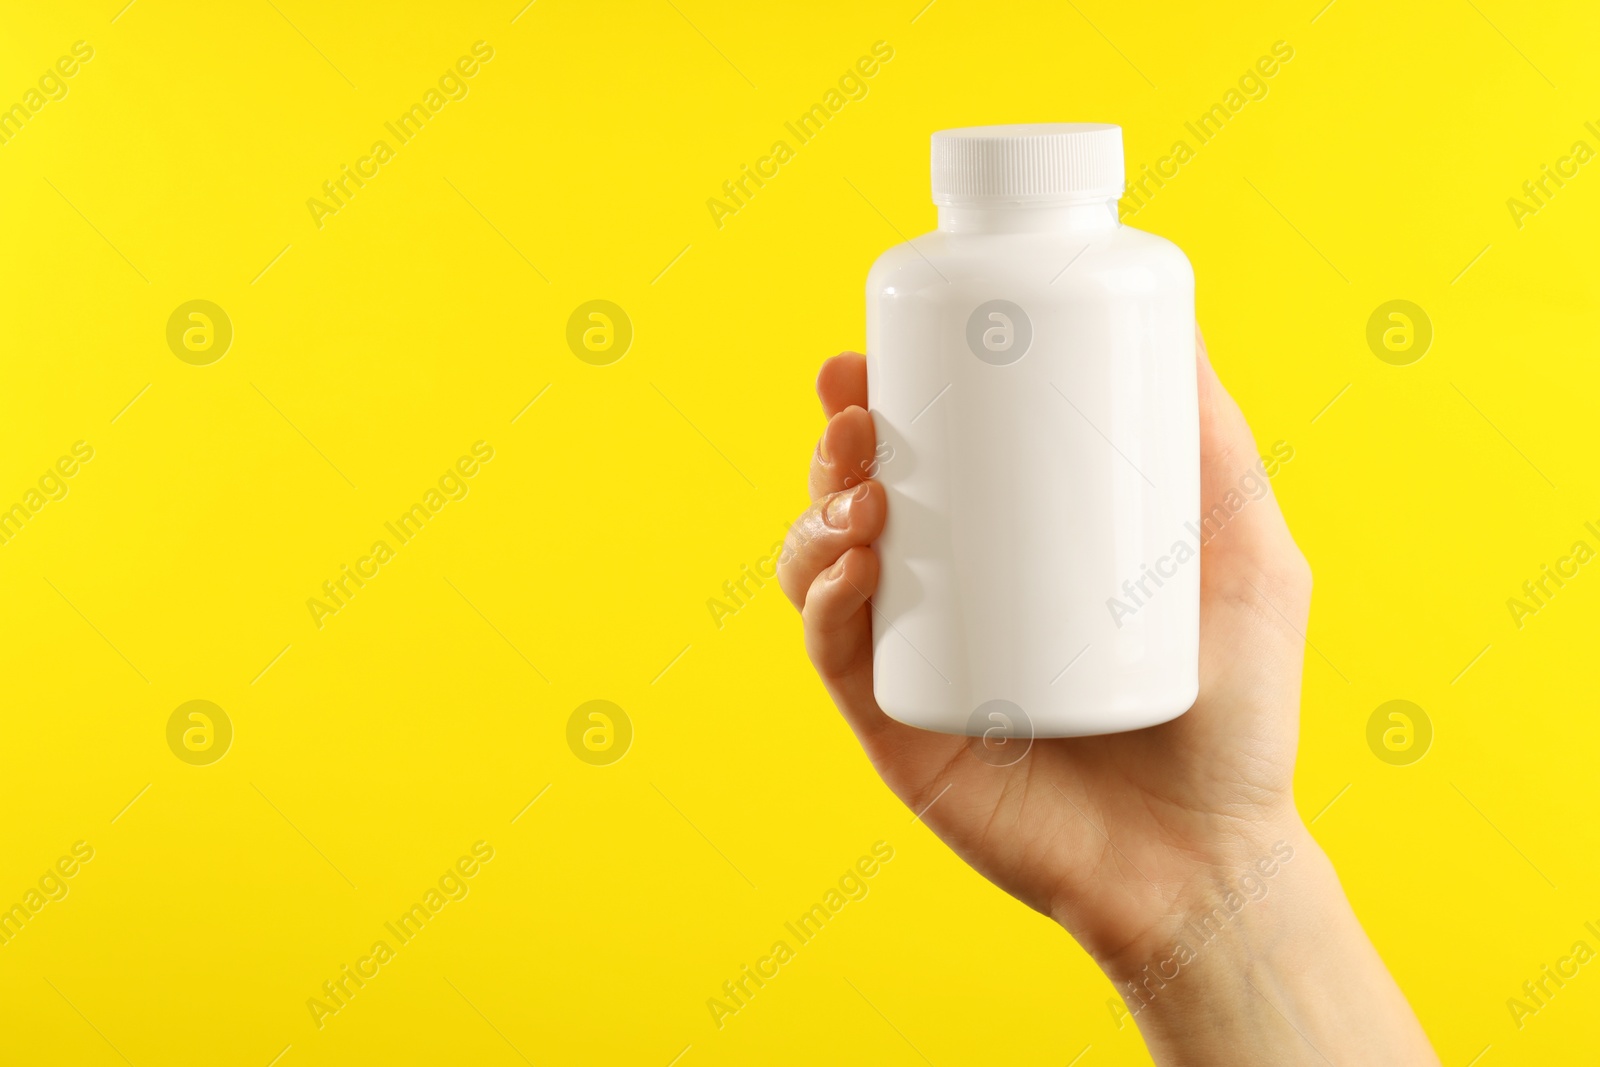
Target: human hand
{"x": 1107, "y": 834}
{"x": 1128, "y": 839}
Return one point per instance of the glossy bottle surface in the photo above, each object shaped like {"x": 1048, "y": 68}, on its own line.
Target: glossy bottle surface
{"x": 1031, "y": 375}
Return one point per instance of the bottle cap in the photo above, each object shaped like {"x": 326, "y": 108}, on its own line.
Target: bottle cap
{"x": 1027, "y": 164}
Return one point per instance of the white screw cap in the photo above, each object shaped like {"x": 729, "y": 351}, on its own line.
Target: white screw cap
{"x": 1026, "y": 164}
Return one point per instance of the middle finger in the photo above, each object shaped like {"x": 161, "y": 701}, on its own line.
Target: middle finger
{"x": 845, "y": 453}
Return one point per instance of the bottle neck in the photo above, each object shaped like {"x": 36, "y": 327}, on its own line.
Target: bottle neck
{"x": 1078, "y": 216}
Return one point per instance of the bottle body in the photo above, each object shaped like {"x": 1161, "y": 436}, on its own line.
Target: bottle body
{"x": 1031, "y": 375}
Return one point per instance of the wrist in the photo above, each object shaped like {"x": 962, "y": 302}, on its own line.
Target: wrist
{"x": 1239, "y": 893}
{"x": 1266, "y": 965}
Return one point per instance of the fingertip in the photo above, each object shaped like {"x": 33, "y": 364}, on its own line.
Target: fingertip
{"x": 861, "y": 507}
{"x": 871, "y": 510}
{"x": 850, "y": 434}
{"x": 845, "y": 452}
{"x": 858, "y": 567}
{"x": 842, "y": 588}
{"x": 838, "y": 629}
{"x": 842, "y": 383}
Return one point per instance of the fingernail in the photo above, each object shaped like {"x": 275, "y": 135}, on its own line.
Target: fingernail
{"x": 835, "y": 571}
{"x": 837, "y": 513}
{"x": 822, "y": 447}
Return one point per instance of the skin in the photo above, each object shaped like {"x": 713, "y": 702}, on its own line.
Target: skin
{"x": 1127, "y": 839}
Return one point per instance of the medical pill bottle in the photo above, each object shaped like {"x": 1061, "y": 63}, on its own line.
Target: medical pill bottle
{"x": 1031, "y": 376}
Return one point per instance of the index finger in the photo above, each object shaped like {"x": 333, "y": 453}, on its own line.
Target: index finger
{"x": 842, "y": 383}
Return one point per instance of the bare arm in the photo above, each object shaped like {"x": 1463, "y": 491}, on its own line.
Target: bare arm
{"x": 1267, "y": 964}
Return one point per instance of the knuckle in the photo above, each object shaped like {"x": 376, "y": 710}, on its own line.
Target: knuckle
{"x": 799, "y": 541}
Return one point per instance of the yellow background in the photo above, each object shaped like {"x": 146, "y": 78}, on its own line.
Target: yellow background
{"x": 427, "y": 714}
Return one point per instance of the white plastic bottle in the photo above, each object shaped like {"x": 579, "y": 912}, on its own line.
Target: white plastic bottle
{"x": 1031, "y": 374}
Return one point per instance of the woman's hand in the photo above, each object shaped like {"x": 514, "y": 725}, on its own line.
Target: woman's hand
{"x": 1123, "y": 838}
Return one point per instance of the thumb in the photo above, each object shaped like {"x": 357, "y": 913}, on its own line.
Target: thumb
{"x": 1245, "y": 532}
